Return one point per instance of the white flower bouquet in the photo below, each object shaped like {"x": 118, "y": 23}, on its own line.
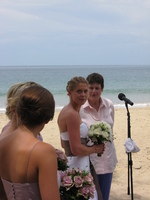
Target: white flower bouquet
{"x": 100, "y": 132}
{"x": 61, "y": 160}
{"x": 76, "y": 184}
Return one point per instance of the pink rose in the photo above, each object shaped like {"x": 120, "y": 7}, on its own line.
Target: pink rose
{"x": 84, "y": 192}
{"x": 62, "y": 174}
{"x": 88, "y": 178}
{"x": 92, "y": 190}
{"x": 78, "y": 181}
{"x": 61, "y": 155}
{"x": 67, "y": 182}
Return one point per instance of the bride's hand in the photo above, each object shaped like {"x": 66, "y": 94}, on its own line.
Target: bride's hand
{"x": 99, "y": 148}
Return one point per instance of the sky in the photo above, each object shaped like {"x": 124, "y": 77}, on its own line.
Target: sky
{"x": 74, "y": 32}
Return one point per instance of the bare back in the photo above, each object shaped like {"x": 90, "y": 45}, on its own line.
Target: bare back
{"x": 17, "y": 148}
{"x": 26, "y": 160}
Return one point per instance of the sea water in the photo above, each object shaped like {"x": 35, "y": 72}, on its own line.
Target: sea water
{"x": 133, "y": 81}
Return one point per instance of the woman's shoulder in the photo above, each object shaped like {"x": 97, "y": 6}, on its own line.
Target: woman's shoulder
{"x": 43, "y": 146}
{"x": 43, "y": 151}
{"x": 68, "y": 112}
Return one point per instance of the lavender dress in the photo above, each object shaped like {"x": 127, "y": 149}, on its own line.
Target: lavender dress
{"x": 22, "y": 191}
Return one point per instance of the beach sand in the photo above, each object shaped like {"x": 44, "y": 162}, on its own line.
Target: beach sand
{"x": 140, "y": 133}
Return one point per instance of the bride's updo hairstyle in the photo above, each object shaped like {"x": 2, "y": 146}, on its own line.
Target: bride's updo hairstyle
{"x": 72, "y": 84}
{"x": 35, "y": 106}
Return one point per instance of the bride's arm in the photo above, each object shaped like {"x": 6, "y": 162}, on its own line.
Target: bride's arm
{"x": 73, "y": 126}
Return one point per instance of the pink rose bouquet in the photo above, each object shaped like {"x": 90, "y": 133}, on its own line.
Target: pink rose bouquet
{"x": 61, "y": 160}
{"x": 76, "y": 184}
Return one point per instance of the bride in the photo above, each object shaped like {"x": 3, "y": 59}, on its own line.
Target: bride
{"x": 73, "y": 131}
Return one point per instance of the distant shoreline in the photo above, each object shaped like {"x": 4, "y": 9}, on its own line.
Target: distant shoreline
{"x": 117, "y": 106}
{"x": 118, "y": 79}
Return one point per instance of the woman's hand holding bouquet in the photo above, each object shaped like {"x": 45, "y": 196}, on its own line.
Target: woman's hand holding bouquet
{"x": 100, "y": 132}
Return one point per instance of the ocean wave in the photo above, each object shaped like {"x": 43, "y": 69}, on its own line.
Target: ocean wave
{"x": 136, "y": 105}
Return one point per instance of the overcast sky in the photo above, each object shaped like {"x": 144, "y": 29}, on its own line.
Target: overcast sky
{"x": 74, "y": 32}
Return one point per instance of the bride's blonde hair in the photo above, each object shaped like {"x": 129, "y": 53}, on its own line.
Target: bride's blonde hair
{"x": 71, "y": 85}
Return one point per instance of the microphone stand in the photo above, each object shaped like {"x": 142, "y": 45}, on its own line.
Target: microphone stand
{"x": 129, "y": 157}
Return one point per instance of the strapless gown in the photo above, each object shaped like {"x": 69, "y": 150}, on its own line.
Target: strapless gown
{"x": 81, "y": 162}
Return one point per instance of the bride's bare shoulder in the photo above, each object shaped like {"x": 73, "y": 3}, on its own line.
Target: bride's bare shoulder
{"x": 67, "y": 111}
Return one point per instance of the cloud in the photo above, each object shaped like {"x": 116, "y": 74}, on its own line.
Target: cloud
{"x": 71, "y": 24}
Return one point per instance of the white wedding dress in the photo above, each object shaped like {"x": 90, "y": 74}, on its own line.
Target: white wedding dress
{"x": 81, "y": 162}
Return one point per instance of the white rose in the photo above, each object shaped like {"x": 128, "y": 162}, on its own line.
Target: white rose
{"x": 97, "y": 132}
{"x": 105, "y": 134}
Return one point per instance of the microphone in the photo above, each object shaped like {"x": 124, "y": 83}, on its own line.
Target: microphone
{"x": 122, "y": 97}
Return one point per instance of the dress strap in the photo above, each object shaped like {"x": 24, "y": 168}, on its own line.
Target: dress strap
{"x": 29, "y": 158}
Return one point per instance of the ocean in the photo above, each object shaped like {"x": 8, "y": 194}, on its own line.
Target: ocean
{"x": 133, "y": 81}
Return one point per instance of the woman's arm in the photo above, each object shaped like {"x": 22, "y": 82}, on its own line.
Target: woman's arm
{"x": 47, "y": 167}
{"x": 73, "y": 127}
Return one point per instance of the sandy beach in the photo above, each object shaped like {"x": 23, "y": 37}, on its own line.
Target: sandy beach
{"x": 140, "y": 133}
